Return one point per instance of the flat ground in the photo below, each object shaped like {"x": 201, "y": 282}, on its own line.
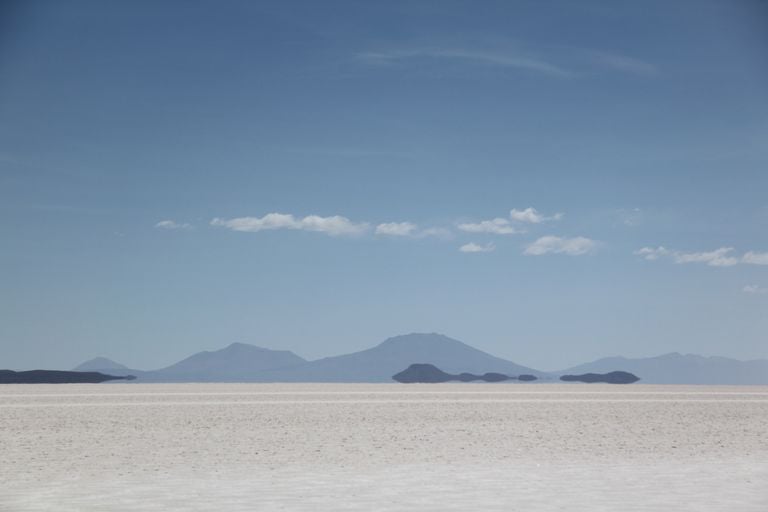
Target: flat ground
{"x": 246, "y": 447}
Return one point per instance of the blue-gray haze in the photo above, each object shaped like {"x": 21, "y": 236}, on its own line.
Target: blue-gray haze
{"x": 551, "y": 182}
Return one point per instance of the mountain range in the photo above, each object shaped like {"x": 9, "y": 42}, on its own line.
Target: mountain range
{"x": 241, "y": 362}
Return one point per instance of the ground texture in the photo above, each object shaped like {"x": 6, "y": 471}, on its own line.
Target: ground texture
{"x": 245, "y": 447}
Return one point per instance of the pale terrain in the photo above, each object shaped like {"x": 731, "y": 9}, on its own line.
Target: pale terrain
{"x": 245, "y": 447}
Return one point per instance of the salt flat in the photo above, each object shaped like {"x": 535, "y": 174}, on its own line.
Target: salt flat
{"x": 238, "y": 447}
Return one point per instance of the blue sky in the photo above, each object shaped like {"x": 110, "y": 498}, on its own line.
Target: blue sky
{"x": 548, "y": 181}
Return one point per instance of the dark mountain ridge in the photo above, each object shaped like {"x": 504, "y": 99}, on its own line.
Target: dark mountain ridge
{"x": 56, "y": 377}
{"x": 616, "y": 377}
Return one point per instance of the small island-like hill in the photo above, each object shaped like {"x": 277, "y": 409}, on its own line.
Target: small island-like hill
{"x": 57, "y": 377}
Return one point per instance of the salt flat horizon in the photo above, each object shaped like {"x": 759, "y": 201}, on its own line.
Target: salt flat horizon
{"x": 130, "y": 447}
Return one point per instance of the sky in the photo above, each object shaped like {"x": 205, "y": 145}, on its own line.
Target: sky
{"x": 551, "y": 182}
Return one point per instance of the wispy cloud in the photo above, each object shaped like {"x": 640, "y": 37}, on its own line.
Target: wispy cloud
{"x": 630, "y": 217}
{"x": 755, "y": 258}
{"x": 754, "y": 289}
{"x": 334, "y": 226}
{"x": 511, "y": 56}
{"x": 532, "y": 216}
{"x": 483, "y": 57}
{"x": 623, "y": 63}
{"x": 473, "y": 247}
{"x": 556, "y": 245}
{"x": 653, "y": 253}
{"x": 171, "y": 224}
{"x": 397, "y": 229}
{"x": 497, "y": 226}
{"x": 507, "y": 226}
{"x": 436, "y": 232}
{"x": 343, "y": 152}
{"x": 720, "y": 257}
{"x": 410, "y": 230}
{"x": 717, "y": 258}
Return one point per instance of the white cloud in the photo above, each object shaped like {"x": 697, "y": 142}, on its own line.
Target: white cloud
{"x": 718, "y": 258}
{"x": 554, "y": 244}
{"x": 411, "y": 230}
{"x": 502, "y": 226}
{"x": 396, "y": 229}
{"x": 753, "y": 288}
{"x": 473, "y": 247}
{"x": 497, "y": 226}
{"x": 755, "y": 258}
{"x": 170, "y": 224}
{"x": 653, "y": 253}
{"x": 488, "y": 58}
{"x": 253, "y": 224}
{"x": 532, "y": 216}
{"x": 335, "y": 225}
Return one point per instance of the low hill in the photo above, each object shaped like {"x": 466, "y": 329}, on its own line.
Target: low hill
{"x": 617, "y": 377}
{"x": 431, "y": 374}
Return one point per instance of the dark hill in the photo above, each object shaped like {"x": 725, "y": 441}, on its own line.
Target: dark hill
{"x": 431, "y": 374}
{"x": 608, "y": 378}
{"x": 56, "y": 377}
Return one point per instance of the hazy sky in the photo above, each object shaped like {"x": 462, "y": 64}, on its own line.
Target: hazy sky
{"x": 551, "y": 182}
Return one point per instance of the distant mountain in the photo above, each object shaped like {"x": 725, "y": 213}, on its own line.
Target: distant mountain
{"x": 107, "y": 366}
{"x": 379, "y": 363}
{"x": 55, "y": 377}
{"x": 239, "y": 362}
{"x": 99, "y": 363}
{"x": 675, "y": 368}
